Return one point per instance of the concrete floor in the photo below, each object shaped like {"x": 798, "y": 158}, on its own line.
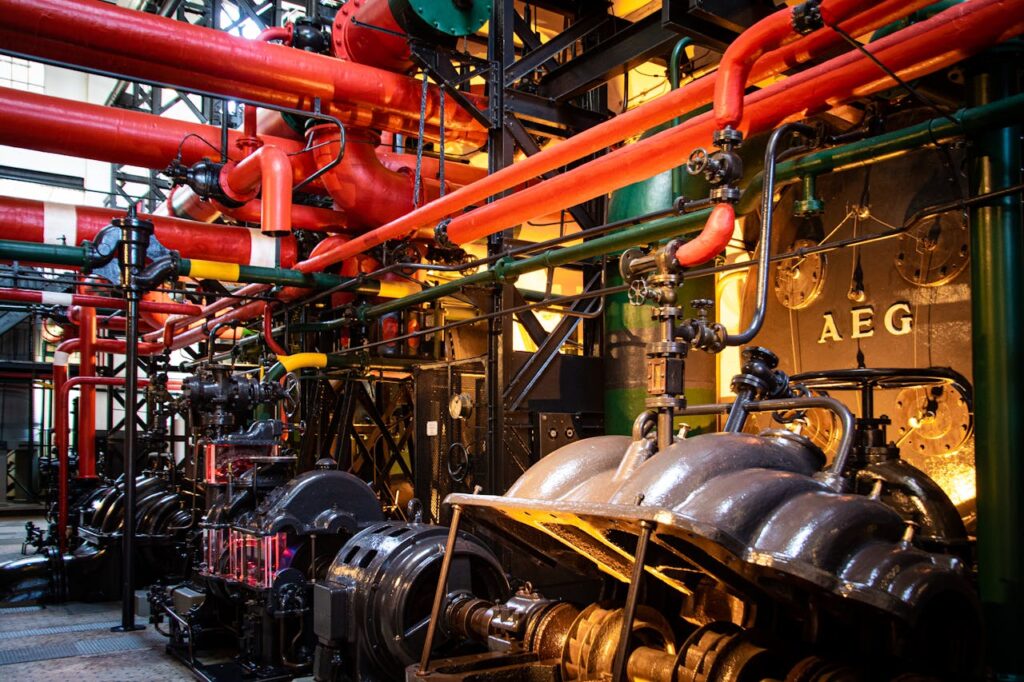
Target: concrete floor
{"x": 73, "y": 642}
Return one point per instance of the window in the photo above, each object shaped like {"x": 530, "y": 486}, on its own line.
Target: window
{"x": 21, "y": 74}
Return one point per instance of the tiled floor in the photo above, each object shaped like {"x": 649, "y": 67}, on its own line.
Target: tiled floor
{"x": 73, "y": 642}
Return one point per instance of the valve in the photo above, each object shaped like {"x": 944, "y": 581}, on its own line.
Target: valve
{"x": 697, "y": 162}
{"x": 703, "y": 306}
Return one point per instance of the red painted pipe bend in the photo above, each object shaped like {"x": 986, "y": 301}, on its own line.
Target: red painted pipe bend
{"x": 655, "y": 154}
{"x": 712, "y": 240}
{"x": 920, "y": 49}
{"x": 61, "y": 441}
{"x": 267, "y": 171}
{"x": 49, "y": 223}
{"x": 201, "y": 54}
{"x": 633, "y": 122}
{"x": 768, "y": 34}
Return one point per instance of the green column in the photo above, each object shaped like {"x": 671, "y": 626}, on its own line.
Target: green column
{"x": 997, "y": 293}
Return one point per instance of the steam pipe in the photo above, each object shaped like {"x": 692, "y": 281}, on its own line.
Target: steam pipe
{"x": 267, "y": 171}
{"x": 37, "y": 223}
{"x": 60, "y": 411}
{"x": 635, "y": 121}
{"x": 770, "y": 33}
{"x": 89, "y": 301}
{"x": 712, "y": 239}
{"x": 146, "y": 43}
{"x": 765, "y": 242}
{"x": 916, "y": 50}
{"x": 87, "y": 404}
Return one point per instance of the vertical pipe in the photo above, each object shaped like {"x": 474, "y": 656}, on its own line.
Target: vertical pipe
{"x": 135, "y": 235}
{"x": 87, "y": 400}
{"x": 997, "y": 297}
{"x": 500, "y": 149}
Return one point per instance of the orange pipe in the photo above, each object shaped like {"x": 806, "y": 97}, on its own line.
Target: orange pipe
{"x": 87, "y": 405}
{"x": 635, "y": 121}
{"x": 919, "y": 49}
{"x": 768, "y": 34}
{"x": 712, "y": 240}
{"x": 200, "y": 54}
{"x": 268, "y": 171}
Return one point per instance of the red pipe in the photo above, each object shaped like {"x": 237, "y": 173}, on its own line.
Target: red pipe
{"x": 61, "y": 440}
{"x": 267, "y": 171}
{"x": 366, "y": 31}
{"x": 87, "y": 404}
{"x": 770, "y": 33}
{"x": 200, "y": 54}
{"x": 49, "y": 223}
{"x": 713, "y": 238}
{"x": 635, "y": 121}
{"x": 185, "y": 203}
{"x": 280, "y": 33}
{"x": 89, "y": 301}
{"x": 268, "y": 330}
{"x": 360, "y": 185}
{"x": 919, "y": 49}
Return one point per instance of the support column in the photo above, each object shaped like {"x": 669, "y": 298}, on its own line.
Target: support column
{"x": 997, "y": 297}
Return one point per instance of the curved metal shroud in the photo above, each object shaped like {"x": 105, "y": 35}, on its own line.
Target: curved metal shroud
{"x": 747, "y": 509}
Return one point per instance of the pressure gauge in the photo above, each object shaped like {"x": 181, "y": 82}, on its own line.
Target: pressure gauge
{"x": 931, "y": 420}
{"x": 800, "y": 281}
{"x": 935, "y": 251}
{"x": 460, "y": 406}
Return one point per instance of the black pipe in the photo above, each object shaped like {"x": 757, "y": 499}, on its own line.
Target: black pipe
{"x": 767, "y": 214}
{"x": 632, "y": 596}
{"x": 135, "y": 236}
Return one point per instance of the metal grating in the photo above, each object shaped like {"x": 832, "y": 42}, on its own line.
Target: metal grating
{"x": 20, "y": 609}
{"x": 93, "y": 647}
{"x": 55, "y": 630}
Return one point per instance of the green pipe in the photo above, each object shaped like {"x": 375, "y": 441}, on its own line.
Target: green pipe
{"x": 888, "y": 145}
{"x": 997, "y": 332}
{"x": 913, "y": 18}
{"x": 857, "y": 153}
{"x": 507, "y": 270}
{"x": 49, "y": 254}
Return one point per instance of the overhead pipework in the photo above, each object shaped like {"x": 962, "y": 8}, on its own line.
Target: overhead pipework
{"x": 481, "y": 340}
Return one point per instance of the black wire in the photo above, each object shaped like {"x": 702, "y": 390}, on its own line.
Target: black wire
{"x": 892, "y": 74}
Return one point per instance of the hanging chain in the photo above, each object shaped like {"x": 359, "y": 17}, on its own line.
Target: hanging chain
{"x": 417, "y": 185}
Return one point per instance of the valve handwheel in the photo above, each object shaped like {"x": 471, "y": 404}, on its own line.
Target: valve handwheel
{"x": 697, "y": 162}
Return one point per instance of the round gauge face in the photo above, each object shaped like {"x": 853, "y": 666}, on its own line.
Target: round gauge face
{"x": 930, "y": 421}
{"x": 935, "y": 251}
{"x": 460, "y": 406}
{"x": 800, "y": 281}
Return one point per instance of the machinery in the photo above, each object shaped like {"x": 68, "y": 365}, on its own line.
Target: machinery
{"x": 545, "y": 341}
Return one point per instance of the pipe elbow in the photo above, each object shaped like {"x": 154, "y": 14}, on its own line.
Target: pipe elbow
{"x": 276, "y": 206}
{"x": 738, "y": 61}
{"x": 713, "y": 238}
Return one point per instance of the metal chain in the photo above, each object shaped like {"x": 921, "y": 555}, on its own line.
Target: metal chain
{"x": 417, "y": 185}
{"x": 441, "y": 139}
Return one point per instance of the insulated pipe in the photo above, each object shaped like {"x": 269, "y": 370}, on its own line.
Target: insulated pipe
{"x": 361, "y": 185}
{"x": 915, "y": 51}
{"x": 267, "y": 171}
{"x": 657, "y": 111}
{"x": 712, "y": 239}
{"x": 203, "y": 53}
{"x": 91, "y": 302}
{"x": 302, "y": 218}
{"x": 918, "y": 50}
{"x": 87, "y": 404}
{"x": 60, "y": 126}
{"x": 40, "y": 223}
{"x": 768, "y": 34}
{"x": 61, "y": 441}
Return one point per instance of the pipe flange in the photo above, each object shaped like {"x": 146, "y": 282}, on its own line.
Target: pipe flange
{"x": 725, "y": 194}
{"x": 807, "y": 17}
{"x": 665, "y": 401}
{"x": 441, "y": 234}
{"x": 664, "y": 348}
{"x": 727, "y": 138}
